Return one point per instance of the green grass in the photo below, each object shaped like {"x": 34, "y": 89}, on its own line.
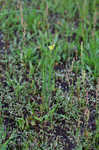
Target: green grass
{"x": 43, "y": 108}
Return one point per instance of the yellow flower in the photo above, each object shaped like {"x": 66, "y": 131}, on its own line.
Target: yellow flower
{"x": 51, "y": 47}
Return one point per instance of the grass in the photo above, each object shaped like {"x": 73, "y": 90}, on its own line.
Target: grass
{"x": 49, "y": 76}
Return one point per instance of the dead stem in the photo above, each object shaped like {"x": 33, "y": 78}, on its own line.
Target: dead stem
{"x": 23, "y": 24}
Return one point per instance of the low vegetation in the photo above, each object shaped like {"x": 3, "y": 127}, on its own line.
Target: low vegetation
{"x": 49, "y": 75}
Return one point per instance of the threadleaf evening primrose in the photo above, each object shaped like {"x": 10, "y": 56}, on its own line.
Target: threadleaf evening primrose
{"x": 51, "y": 47}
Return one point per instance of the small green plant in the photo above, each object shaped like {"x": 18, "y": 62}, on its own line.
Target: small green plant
{"x": 91, "y": 56}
